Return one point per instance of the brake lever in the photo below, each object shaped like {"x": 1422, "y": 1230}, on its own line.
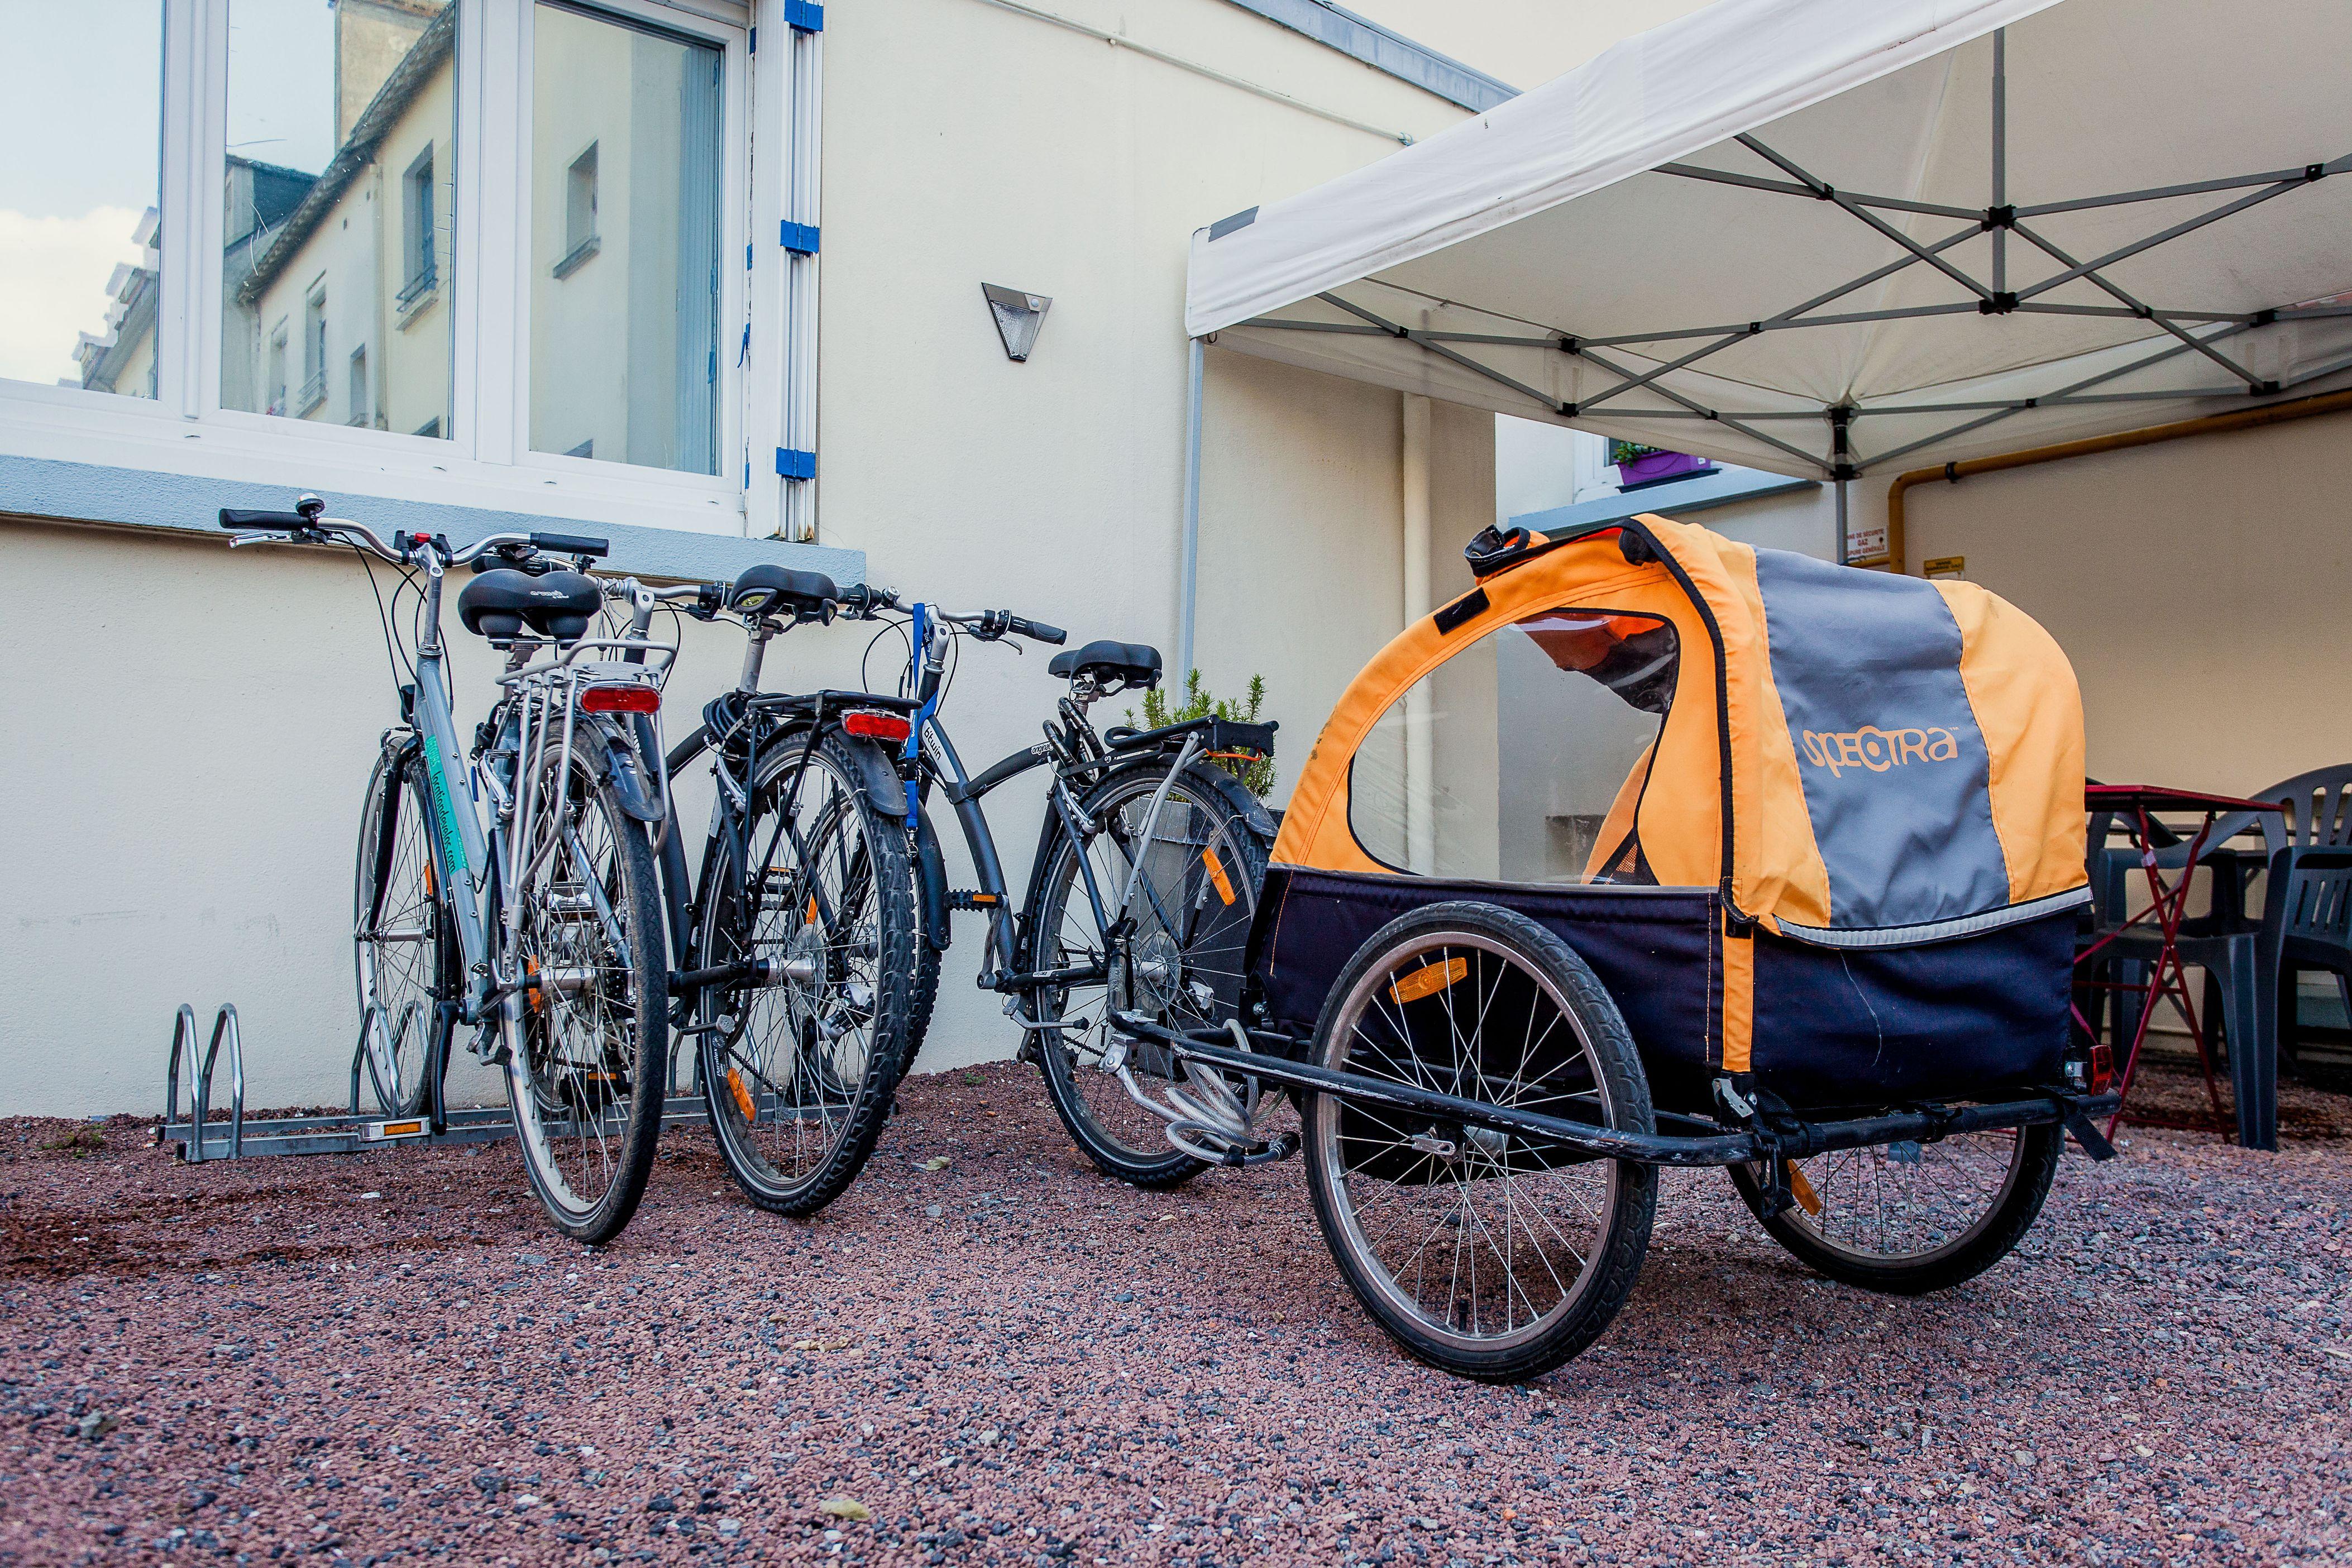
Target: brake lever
{"x": 238, "y": 540}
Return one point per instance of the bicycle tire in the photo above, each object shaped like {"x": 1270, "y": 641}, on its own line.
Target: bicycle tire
{"x": 1389, "y": 1003}
{"x": 604, "y": 1093}
{"x": 929, "y": 956}
{"x": 820, "y": 1015}
{"x": 1990, "y": 1232}
{"x": 1221, "y": 870}
{"x": 402, "y": 940}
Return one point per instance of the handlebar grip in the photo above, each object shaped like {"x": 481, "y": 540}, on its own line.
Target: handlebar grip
{"x": 248, "y": 521}
{"x": 571, "y": 544}
{"x": 1037, "y": 631}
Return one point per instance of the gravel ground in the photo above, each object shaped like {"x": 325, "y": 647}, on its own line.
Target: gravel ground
{"x": 388, "y": 1359}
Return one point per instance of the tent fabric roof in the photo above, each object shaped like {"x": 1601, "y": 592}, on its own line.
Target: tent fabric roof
{"x": 1836, "y": 237}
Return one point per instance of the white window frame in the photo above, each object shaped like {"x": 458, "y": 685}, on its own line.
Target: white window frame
{"x": 765, "y": 401}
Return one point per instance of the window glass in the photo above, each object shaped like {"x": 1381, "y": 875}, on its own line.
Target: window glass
{"x": 339, "y": 122}
{"x": 1519, "y": 759}
{"x": 625, "y": 225}
{"x": 82, "y": 116}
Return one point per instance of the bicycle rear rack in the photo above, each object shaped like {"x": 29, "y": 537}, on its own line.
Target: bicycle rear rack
{"x": 196, "y": 1139}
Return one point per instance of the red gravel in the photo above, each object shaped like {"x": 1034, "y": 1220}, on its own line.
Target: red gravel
{"x": 388, "y": 1359}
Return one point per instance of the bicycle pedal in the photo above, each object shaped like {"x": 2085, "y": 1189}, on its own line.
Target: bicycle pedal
{"x": 973, "y": 900}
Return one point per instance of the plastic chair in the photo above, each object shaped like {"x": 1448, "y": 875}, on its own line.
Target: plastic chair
{"x": 2252, "y": 964}
{"x": 2308, "y": 907}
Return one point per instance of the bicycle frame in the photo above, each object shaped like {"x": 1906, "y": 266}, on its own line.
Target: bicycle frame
{"x": 1071, "y": 750}
{"x": 477, "y": 866}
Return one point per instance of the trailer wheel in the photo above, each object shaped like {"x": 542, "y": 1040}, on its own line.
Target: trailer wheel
{"x": 1486, "y": 1254}
{"x": 1909, "y": 1219}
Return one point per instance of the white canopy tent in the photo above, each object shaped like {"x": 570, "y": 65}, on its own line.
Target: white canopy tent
{"x": 1838, "y": 237}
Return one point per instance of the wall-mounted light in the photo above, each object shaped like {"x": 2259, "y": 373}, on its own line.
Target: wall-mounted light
{"x": 1019, "y": 314}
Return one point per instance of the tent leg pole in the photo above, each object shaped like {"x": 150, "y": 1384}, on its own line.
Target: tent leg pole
{"x": 1189, "y": 548}
{"x": 1420, "y": 734}
{"x": 2000, "y": 155}
{"x": 1844, "y": 549}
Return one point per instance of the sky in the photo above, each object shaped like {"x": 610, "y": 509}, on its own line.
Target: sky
{"x": 87, "y": 144}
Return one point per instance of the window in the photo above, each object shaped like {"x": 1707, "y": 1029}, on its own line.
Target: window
{"x": 626, "y": 356}
{"x": 421, "y": 275}
{"x": 81, "y": 194}
{"x": 579, "y": 212}
{"x": 359, "y": 399}
{"x": 1521, "y": 759}
{"x": 334, "y": 112}
{"x": 314, "y": 352}
{"x": 276, "y": 380}
{"x": 255, "y": 189}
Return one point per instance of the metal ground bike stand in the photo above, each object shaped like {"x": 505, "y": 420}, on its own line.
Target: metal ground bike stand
{"x": 351, "y": 1133}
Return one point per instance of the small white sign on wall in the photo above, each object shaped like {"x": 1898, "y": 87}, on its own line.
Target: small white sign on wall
{"x": 1867, "y": 544}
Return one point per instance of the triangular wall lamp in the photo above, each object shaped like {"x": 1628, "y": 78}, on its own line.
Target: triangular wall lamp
{"x": 1018, "y": 315}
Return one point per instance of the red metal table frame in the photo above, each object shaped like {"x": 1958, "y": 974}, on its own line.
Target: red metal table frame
{"x": 2167, "y": 976}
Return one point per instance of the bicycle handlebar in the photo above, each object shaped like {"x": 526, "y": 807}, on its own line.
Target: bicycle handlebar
{"x": 309, "y": 518}
{"x": 248, "y": 521}
{"x": 1036, "y": 631}
{"x": 865, "y": 600}
{"x": 991, "y": 625}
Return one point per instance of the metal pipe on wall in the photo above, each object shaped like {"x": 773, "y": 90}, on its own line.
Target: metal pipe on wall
{"x": 1188, "y": 547}
{"x": 2244, "y": 419}
{"x": 1420, "y": 739}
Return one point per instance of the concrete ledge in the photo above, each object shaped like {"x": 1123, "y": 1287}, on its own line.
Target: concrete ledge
{"x": 183, "y": 504}
{"x": 1718, "y": 488}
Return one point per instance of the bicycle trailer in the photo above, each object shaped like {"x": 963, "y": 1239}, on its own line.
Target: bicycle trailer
{"x": 1657, "y": 848}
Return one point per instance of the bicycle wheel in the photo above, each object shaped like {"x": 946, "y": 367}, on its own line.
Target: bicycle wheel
{"x": 926, "y": 997}
{"x": 403, "y": 946}
{"x": 800, "y": 1073}
{"x": 1907, "y": 1218}
{"x": 1179, "y": 965}
{"x": 1488, "y": 1253}
{"x": 587, "y": 1075}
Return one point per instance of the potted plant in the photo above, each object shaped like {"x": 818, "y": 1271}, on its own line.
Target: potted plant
{"x": 1638, "y": 466}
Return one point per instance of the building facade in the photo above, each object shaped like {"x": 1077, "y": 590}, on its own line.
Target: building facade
{"x": 463, "y": 264}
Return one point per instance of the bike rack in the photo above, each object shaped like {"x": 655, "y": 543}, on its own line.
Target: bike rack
{"x": 194, "y": 1142}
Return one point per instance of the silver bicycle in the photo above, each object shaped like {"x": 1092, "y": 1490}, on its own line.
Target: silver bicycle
{"x": 506, "y": 881}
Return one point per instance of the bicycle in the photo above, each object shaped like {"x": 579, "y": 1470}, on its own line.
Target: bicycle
{"x": 1140, "y": 899}
{"x": 511, "y": 887}
{"x": 795, "y": 947}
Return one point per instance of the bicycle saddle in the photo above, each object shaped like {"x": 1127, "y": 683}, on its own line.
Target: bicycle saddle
{"x": 559, "y": 604}
{"x": 765, "y": 590}
{"x": 1132, "y": 662}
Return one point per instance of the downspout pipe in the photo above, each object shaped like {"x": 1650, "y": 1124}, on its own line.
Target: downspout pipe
{"x": 1189, "y": 548}
{"x": 2213, "y": 424}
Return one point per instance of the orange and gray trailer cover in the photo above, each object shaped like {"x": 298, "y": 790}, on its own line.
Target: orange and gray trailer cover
{"x": 1851, "y": 862}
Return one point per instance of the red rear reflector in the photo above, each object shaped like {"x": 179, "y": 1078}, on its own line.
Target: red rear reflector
{"x": 876, "y": 726}
{"x": 621, "y": 699}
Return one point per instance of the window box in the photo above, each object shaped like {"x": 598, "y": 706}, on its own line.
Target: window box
{"x": 1638, "y": 465}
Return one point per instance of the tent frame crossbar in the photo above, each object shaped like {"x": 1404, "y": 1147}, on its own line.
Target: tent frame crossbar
{"x": 1998, "y": 220}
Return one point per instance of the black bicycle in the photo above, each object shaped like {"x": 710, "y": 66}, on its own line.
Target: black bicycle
{"x": 794, "y": 949}
{"x": 1140, "y": 899}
